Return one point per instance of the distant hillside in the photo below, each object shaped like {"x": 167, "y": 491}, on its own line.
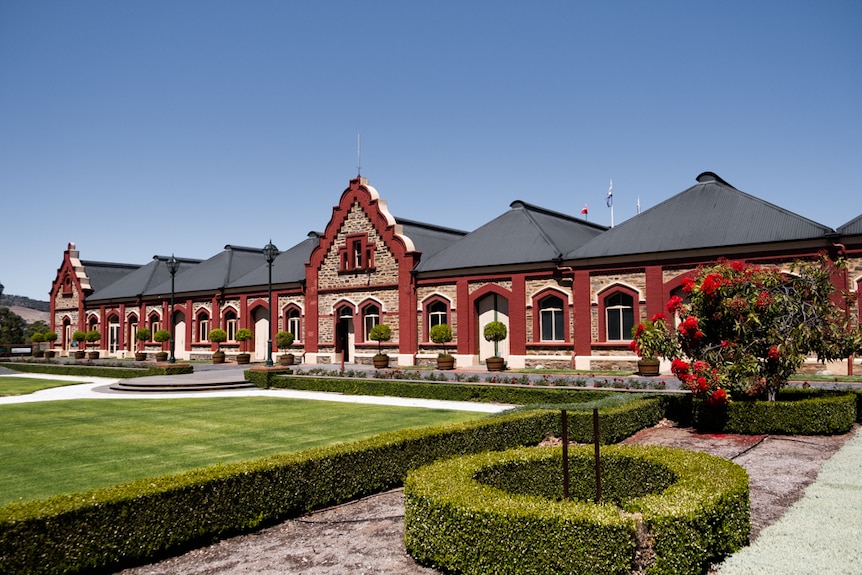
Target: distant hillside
{"x": 11, "y": 301}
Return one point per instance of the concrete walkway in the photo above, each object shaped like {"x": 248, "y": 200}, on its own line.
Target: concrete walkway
{"x": 99, "y": 388}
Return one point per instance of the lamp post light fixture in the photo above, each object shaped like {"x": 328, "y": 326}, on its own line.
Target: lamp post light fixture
{"x": 1, "y": 293}
{"x": 173, "y": 265}
{"x": 269, "y": 252}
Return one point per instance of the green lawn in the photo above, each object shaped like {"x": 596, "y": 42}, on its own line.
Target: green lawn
{"x": 11, "y": 385}
{"x": 54, "y": 447}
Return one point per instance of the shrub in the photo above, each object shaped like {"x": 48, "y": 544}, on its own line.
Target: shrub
{"x": 380, "y": 333}
{"x": 795, "y": 412}
{"x": 480, "y": 514}
{"x": 441, "y": 334}
{"x": 161, "y": 336}
{"x": 283, "y": 339}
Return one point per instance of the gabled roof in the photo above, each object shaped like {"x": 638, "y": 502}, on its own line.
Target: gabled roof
{"x": 288, "y": 266}
{"x": 852, "y": 228}
{"x": 103, "y": 274}
{"x": 213, "y": 274}
{"x": 145, "y": 277}
{"x": 524, "y": 234}
{"x": 710, "y": 214}
{"x": 427, "y": 238}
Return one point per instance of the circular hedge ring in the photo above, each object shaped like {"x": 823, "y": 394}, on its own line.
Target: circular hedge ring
{"x": 669, "y": 510}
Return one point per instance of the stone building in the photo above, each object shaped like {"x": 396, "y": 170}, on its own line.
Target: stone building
{"x": 568, "y": 290}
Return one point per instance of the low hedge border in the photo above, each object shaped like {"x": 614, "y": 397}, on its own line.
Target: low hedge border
{"x": 448, "y": 391}
{"x": 699, "y": 512}
{"x": 146, "y": 519}
{"x": 795, "y": 412}
{"x": 121, "y": 372}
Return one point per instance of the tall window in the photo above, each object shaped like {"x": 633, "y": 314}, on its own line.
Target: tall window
{"x": 155, "y": 325}
{"x": 294, "y": 325}
{"x": 619, "y": 311}
{"x": 230, "y": 324}
{"x": 552, "y": 319}
{"x": 370, "y": 318}
{"x": 203, "y": 326}
{"x": 438, "y": 313}
{"x": 357, "y": 253}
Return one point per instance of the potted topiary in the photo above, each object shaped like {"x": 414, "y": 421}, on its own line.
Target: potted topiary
{"x": 37, "y": 339}
{"x": 442, "y": 334}
{"x": 380, "y": 333}
{"x": 495, "y": 331}
{"x": 284, "y": 339}
{"x": 143, "y": 335}
{"x": 50, "y": 337}
{"x": 161, "y": 336}
{"x": 80, "y": 338}
{"x": 93, "y": 336}
{"x": 218, "y": 336}
{"x": 242, "y": 335}
{"x": 650, "y": 340}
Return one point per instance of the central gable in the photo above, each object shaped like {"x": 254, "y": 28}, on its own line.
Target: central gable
{"x": 362, "y": 244}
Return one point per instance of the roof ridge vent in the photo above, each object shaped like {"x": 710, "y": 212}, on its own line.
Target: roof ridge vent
{"x": 707, "y": 177}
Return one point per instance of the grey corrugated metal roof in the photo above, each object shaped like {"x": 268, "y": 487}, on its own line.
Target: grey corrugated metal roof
{"x": 524, "y": 234}
{"x": 712, "y": 213}
{"x": 288, "y": 266}
{"x": 427, "y": 238}
{"x": 103, "y": 274}
{"x": 213, "y": 274}
{"x": 852, "y": 228}
{"x": 142, "y": 279}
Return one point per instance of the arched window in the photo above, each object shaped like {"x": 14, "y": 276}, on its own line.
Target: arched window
{"x": 203, "y": 331}
{"x": 370, "y": 318}
{"x": 293, "y": 323}
{"x": 438, "y": 313}
{"x": 619, "y": 316}
{"x": 230, "y": 324}
{"x": 552, "y": 318}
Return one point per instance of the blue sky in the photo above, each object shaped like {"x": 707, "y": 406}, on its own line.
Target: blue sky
{"x": 142, "y": 128}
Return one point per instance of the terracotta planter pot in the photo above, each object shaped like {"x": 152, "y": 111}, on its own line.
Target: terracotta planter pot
{"x": 286, "y": 359}
{"x": 140, "y": 356}
{"x": 495, "y": 364}
{"x": 218, "y": 357}
{"x": 380, "y": 361}
{"x": 50, "y": 353}
{"x": 243, "y": 358}
{"x": 162, "y": 356}
{"x": 78, "y": 354}
{"x": 93, "y": 355}
{"x": 38, "y": 353}
{"x": 446, "y": 362}
{"x": 648, "y": 367}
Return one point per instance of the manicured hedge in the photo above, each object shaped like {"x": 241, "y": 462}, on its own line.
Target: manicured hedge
{"x": 138, "y": 521}
{"x": 795, "y": 412}
{"x": 98, "y": 370}
{"x": 450, "y": 391}
{"x": 671, "y": 512}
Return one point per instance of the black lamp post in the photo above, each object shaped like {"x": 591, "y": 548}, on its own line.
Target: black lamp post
{"x": 1, "y": 293}
{"x": 269, "y": 252}
{"x": 173, "y": 266}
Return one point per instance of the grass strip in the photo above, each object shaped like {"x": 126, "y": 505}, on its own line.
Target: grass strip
{"x": 12, "y": 385}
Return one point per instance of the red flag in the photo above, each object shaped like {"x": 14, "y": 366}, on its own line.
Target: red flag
{"x": 585, "y": 211}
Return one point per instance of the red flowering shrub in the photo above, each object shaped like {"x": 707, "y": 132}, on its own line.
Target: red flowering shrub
{"x": 749, "y": 328}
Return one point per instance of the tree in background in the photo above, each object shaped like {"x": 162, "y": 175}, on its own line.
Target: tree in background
{"x": 37, "y": 326}
{"x": 12, "y": 326}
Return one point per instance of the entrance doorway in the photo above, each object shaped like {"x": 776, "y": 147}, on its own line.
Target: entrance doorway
{"x": 261, "y": 333}
{"x": 345, "y": 338}
{"x": 492, "y": 307}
